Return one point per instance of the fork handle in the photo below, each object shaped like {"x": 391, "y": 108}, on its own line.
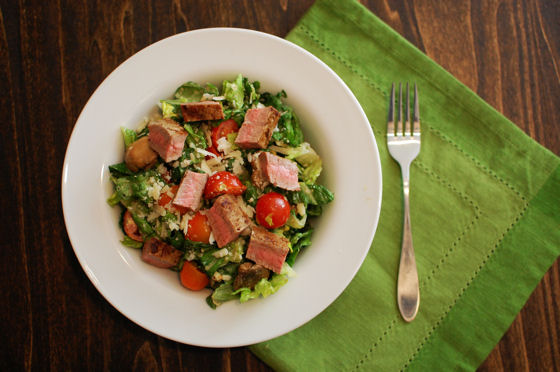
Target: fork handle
{"x": 408, "y": 293}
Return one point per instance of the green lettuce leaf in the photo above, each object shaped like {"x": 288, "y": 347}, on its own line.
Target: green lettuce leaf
{"x": 189, "y": 92}
{"x": 289, "y": 130}
{"x": 129, "y": 136}
{"x": 119, "y": 170}
{"x": 128, "y": 242}
{"x": 171, "y": 108}
{"x": 312, "y": 172}
{"x": 263, "y": 288}
{"x": 234, "y": 91}
{"x": 298, "y": 241}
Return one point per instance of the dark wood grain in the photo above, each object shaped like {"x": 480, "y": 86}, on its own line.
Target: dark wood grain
{"x": 53, "y": 54}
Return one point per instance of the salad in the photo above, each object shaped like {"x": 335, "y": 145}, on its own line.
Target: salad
{"x": 221, "y": 187}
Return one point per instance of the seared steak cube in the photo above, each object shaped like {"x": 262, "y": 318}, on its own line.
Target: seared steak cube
{"x": 270, "y": 168}
{"x": 256, "y": 130}
{"x": 198, "y": 111}
{"x": 227, "y": 219}
{"x": 248, "y": 275}
{"x": 268, "y": 249}
{"x": 160, "y": 254}
{"x": 167, "y": 138}
{"x": 190, "y": 190}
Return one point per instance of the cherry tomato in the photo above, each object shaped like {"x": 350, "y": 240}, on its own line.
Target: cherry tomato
{"x": 130, "y": 227}
{"x": 192, "y": 278}
{"x": 223, "y": 183}
{"x": 165, "y": 199}
{"x": 199, "y": 229}
{"x": 273, "y": 210}
{"x": 226, "y": 127}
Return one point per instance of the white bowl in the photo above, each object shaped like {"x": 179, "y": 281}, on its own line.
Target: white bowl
{"x": 332, "y": 121}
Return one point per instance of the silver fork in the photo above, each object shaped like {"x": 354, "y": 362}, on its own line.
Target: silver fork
{"x": 404, "y": 146}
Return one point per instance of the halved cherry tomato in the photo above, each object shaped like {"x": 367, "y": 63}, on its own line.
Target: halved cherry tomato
{"x": 165, "y": 199}
{"x": 273, "y": 210}
{"x": 130, "y": 227}
{"x": 192, "y": 278}
{"x": 199, "y": 229}
{"x": 223, "y": 183}
{"x": 226, "y": 127}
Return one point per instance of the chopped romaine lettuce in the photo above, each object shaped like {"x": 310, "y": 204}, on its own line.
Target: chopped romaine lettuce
{"x": 196, "y": 137}
{"x": 189, "y": 92}
{"x": 299, "y": 240}
{"x": 142, "y": 224}
{"x": 129, "y": 136}
{"x": 171, "y": 108}
{"x": 303, "y": 154}
{"x": 234, "y": 92}
{"x": 128, "y": 242}
{"x": 114, "y": 199}
{"x": 295, "y": 222}
{"x": 321, "y": 194}
{"x": 263, "y": 288}
{"x": 119, "y": 170}
{"x": 312, "y": 172}
{"x": 288, "y": 125}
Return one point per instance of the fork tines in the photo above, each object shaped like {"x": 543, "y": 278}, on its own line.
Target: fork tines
{"x": 408, "y": 128}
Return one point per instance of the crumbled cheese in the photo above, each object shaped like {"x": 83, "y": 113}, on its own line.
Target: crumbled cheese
{"x": 184, "y": 224}
{"x": 206, "y": 153}
{"x": 217, "y": 277}
{"x": 185, "y": 163}
{"x": 221, "y": 253}
{"x": 162, "y": 229}
{"x": 161, "y": 169}
{"x": 174, "y": 225}
{"x": 156, "y": 211}
{"x": 215, "y": 165}
{"x": 260, "y": 105}
{"x": 235, "y": 154}
{"x": 175, "y": 164}
{"x": 211, "y": 239}
{"x": 154, "y": 188}
{"x": 237, "y": 167}
{"x": 224, "y": 146}
{"x": 203, "y": 166}
{"x": 190, "y": 256}
{"x": 226, "y": 277}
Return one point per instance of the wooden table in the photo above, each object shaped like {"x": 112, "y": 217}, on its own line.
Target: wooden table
{"x": 55, "y": 53}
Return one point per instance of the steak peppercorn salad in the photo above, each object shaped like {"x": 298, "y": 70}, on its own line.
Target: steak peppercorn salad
{"x": 220, "y": 187}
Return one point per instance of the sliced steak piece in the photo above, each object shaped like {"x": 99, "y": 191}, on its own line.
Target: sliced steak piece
{"x": 256, "y": 130}
{"x": 258, "y": 177}
{"x": 198, "y": 111}
{"x": 167, "y": 138}
{"x": 160, "y": 254}
{"x": 139, "y": 155}
{"x": 279, "y": 171}
{"x": 227, "y": 219}
{"x": 248, "y": 275}
{"x": 268, "y": 249}
{"x": 190, "y": 190}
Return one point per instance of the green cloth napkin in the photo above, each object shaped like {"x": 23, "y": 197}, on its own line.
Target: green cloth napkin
{"x": 485, "y": 215}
